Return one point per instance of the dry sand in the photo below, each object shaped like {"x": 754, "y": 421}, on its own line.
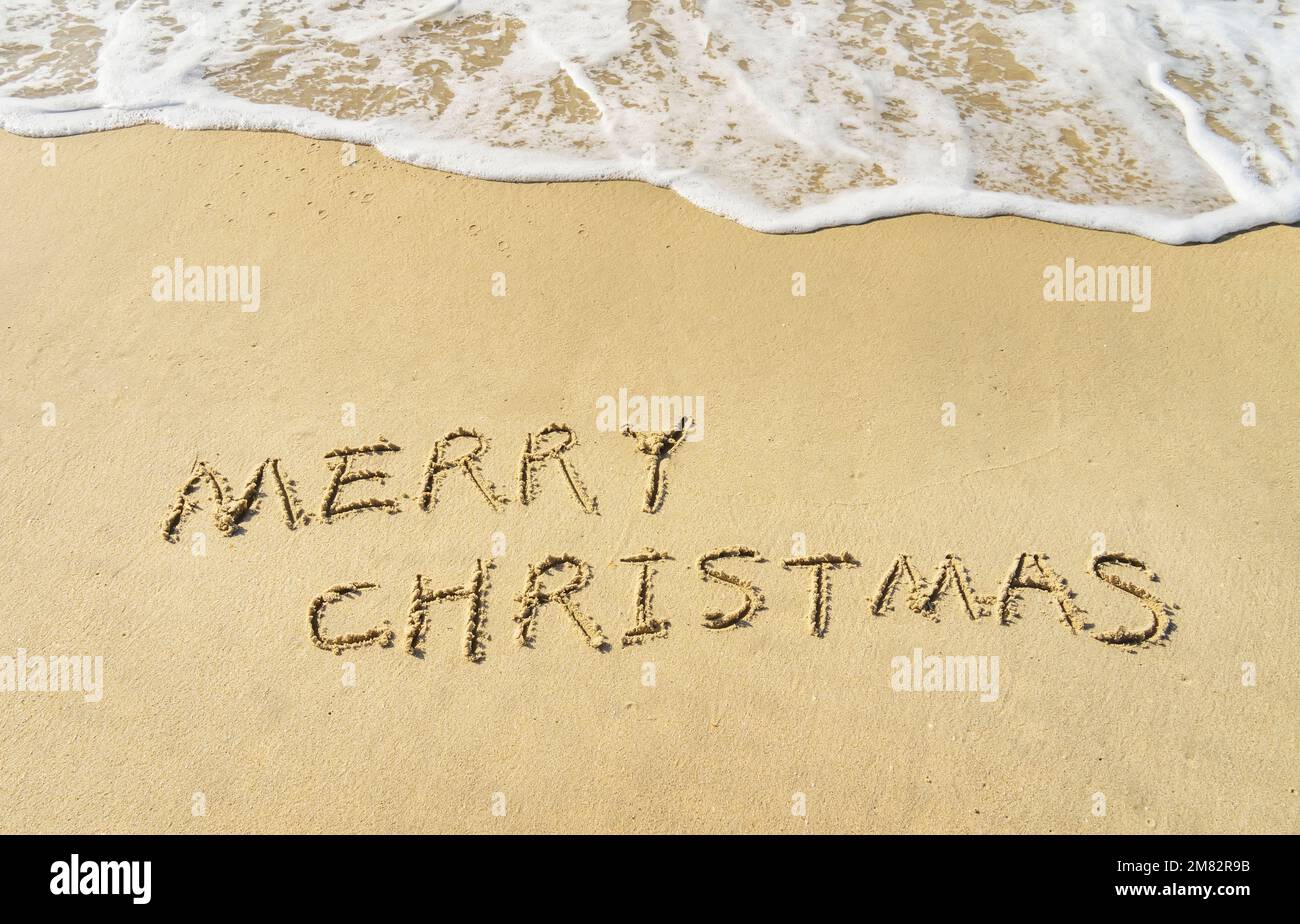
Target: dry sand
{"x": 823, "y": 417}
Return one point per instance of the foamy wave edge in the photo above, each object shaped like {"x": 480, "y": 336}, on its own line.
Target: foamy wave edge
{"x": 1257, "y": 205}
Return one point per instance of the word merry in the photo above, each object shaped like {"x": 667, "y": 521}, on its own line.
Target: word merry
{"x": 181, "y": 283}
{"x": 459, "y": 453}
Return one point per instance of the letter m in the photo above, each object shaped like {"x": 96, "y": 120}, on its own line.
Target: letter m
{"x": 228, "y": 508}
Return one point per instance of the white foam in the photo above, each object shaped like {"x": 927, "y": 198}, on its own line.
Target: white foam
{"x": 1173, "y": 119}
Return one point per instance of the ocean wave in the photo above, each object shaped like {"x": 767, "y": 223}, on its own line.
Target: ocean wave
{"x": 1172, "y": 119}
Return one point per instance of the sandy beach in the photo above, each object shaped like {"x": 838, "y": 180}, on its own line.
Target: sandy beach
{"x": 902, "y": 388}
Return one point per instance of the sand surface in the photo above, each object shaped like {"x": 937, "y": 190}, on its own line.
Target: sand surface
{"x": 823, "y": 432}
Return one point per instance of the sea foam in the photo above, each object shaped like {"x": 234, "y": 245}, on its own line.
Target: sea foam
{"x": 1172, "y": 119}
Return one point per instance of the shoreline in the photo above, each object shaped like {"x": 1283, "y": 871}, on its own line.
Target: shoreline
{"x": 978, "y": 204}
